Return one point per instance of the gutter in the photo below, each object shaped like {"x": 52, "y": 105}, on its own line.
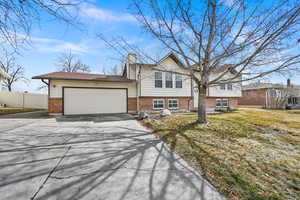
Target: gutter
{"x": 100, "y": 80}
{"x": 138, "y": 91}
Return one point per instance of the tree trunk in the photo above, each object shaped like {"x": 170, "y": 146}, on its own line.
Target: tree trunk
{"x": 202, "y": 104}
{"x": 9, "y": 87}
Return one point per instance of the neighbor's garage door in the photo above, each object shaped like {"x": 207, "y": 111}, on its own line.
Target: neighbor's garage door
{"x": 94, "y": 101}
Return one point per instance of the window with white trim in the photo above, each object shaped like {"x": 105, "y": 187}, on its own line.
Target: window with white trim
{"x": 158, "y": 79}
{"x": 229, "y": 86}
{"x": 158, "y": 104}
{"x": 222, "y": 103}
{"x": 178, "y": 81}
{"x": 173, "y": 103}
{"x": 169, "y": 80}
{"x": 223, "y": 86}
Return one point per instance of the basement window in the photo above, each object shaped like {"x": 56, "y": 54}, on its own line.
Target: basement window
{"x": 158, "y": 104}
{"x": 222, "y": 103}
{"x": 173, "y": 103}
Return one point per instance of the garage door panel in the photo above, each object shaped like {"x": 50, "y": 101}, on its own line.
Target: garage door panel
{"x": 94, "y": 101}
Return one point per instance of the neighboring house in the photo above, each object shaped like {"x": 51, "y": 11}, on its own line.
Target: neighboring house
{"x": 271, "y": 95}
{"x": 141, "y": 87}
{"x": 3, "y": 76}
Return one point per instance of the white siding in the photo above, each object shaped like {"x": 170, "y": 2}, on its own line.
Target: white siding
{"x": 56, "y": 86}
{"x": 147, "y": 81}
{"x": 1, "y": 81}
{"x": 169, "y": 64}
{"x": 217, "y": 92}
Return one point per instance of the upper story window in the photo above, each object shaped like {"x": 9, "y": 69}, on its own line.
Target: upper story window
{"x": 158, "y": 79}
{"x": 229, "y": 86}
{"x": 169, "y": 80}
{"x": 178, "y": 81}
{"x": 223, "y": 86}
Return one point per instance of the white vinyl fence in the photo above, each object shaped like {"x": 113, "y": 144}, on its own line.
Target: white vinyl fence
{"x": 24, "y": 100}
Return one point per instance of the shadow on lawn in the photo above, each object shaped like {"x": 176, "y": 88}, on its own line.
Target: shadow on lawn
{"x": 83, "y": 162}
{"x": 215, "y": 169}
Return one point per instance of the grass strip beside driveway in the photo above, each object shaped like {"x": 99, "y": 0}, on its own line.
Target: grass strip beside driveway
{"x": 247, "y": 154}
{"x": 6, "y": 111}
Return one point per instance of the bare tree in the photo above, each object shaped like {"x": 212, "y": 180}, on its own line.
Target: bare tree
{"x": 249, "y": 38}
{"x": 116, "y": 70}
{"x": 68, "y": 62}
{"x": 17, "y": 17}
{"x": 277, "y": 98}
{"x": 16, "y": 72}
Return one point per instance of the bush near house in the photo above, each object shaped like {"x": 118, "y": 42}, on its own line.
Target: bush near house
{"x": 247, "y": 154}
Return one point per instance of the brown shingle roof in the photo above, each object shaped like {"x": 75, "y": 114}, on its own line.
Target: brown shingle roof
{"x": 82, "y": 76}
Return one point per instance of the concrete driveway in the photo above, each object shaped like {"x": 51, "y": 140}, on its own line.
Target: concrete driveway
{"x": 96, "y": 157}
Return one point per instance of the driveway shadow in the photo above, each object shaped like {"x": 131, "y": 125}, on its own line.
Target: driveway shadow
{"x": 27, "y": 115}
{"x": 115, "y": 164}
{"x": 94, "y": 118}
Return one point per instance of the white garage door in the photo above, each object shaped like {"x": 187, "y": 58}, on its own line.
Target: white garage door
{"x": 94, "y": 101}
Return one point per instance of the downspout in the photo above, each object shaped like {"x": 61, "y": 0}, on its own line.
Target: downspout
{"x": 45, "y": 82}
{"x": 138, "y": 90}
{"x": 266, "y": 98}
{"x": 192, "y": 96}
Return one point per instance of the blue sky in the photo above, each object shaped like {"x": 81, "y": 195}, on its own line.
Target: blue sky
{"x": 52, "y": 38}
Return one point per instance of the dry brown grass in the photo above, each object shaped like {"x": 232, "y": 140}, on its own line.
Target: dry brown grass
{"x": 5, "y": 111}
{"x": 247, "y": 154}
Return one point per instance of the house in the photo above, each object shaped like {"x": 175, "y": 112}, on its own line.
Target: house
{"x": 270, "y": 95}
{"x": 3, "y": 76}
{"x": 141, "y": 87}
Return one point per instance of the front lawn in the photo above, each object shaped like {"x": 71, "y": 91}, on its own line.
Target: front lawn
{"x": 247, "y": 154}
{"x": 5, "y": 111}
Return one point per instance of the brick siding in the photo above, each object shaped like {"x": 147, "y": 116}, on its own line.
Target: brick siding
{"x": 146, "y": 103}
{"x": 211, "y": 102}
{"x": 253, "y": 97}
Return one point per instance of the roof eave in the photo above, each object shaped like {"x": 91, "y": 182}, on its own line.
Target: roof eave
{"x": 74, "y": 79}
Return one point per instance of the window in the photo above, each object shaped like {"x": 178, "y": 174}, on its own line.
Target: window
{"x": 222, "y": 103}
{"x": 292, "y": 100}
{"x": 223, "y": 86}
{"x": 158, "y": 79}
{"x": 229, "y": 86}
{"x": 173, "y": 103}
{"x": 169, "y": 80}
{"x": 178, "y": 81}
{"x": 218, "y": 103}
{"x": 158, "y": 104}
